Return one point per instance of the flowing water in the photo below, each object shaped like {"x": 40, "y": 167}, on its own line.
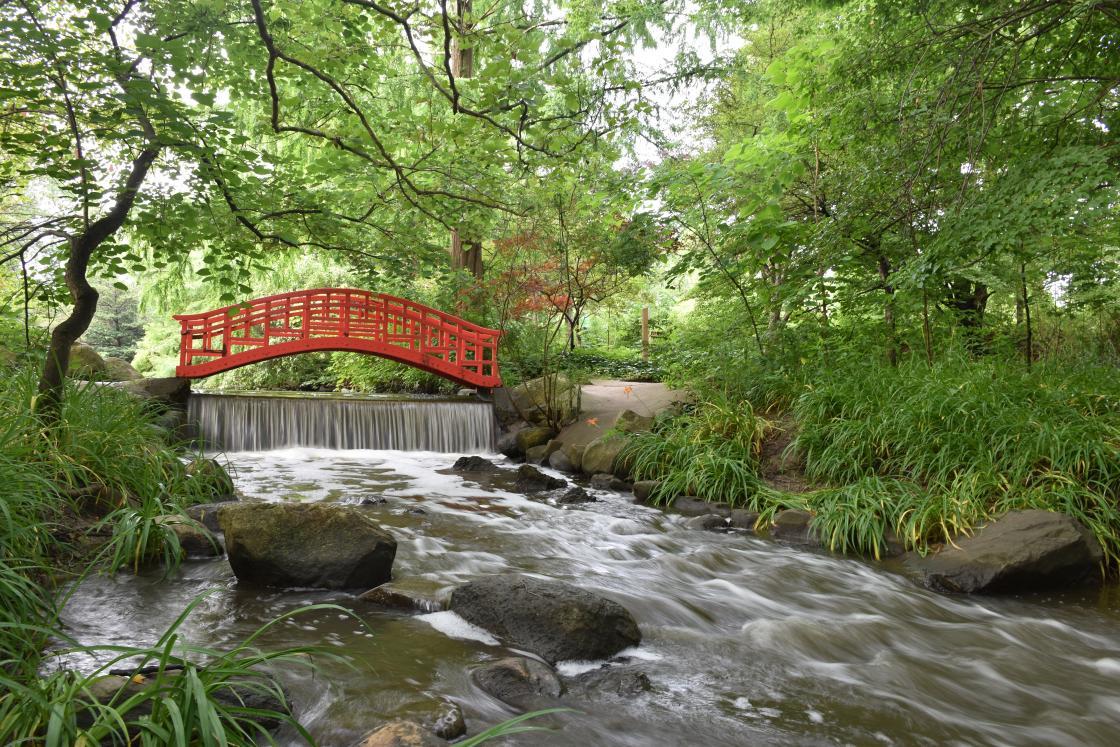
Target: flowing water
{"x": 257, "y": 421}
{"x": 746, "y": 641}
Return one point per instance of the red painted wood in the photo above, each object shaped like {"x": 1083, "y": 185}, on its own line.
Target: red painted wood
{"x": 338, "y": 319}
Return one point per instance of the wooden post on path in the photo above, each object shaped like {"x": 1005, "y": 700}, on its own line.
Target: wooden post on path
{"x": 645, "y": 333}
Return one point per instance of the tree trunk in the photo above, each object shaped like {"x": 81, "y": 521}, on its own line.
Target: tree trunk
{"x": 1029, "y": 352}
{"x": 48, "y": 402}
{"x": 888, "y": 311}
{"x": 969, "y": 300}
{"x": 645, "y": 333}
{"x": 465, "y": 254}
{"x": 927, "y": 330}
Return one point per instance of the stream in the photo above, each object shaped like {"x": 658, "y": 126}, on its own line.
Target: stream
{"x": 746, "y": 641}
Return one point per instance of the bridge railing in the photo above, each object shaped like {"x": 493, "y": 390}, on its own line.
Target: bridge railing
{"x": 317, "y": 319}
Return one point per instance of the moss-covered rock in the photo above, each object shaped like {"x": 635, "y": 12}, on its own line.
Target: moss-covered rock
{"x": 319, "y": 545}
{"x": 548, "y": 399}
{"x": 601, "y": 455}
{"x": 86, "y": 363}
{"x": 629, "y": 421}
{"x": 118, "y": 369}
{"x": 527, "y": 438}
{"x": 552, "y": 619}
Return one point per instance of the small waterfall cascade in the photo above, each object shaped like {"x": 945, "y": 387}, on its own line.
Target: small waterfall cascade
{"x": 263, "y": 422}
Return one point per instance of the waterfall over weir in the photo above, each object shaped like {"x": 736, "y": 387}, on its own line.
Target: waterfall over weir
{"x": 265, "y": 421}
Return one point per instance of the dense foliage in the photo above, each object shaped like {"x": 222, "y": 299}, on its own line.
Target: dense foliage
{"x": 904, "y": 234}
{"x": 878, "y": 241}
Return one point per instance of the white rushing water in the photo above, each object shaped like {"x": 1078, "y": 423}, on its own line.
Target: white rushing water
{"x": 746, "y": 641}
{"x": 259, "y": 422}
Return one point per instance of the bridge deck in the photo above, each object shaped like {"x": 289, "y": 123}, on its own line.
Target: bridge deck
{"x": 338, "y": 319}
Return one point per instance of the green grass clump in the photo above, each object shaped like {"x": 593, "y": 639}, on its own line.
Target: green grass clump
{"x": 923, "y": 453}
{"x": 711, "y": 453}
{"x": 195, "y": 696}
{"x": 47, "y": 535}
{"x": 978, "y": 439}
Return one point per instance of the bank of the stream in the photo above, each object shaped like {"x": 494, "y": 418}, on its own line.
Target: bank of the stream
{"x": 915, "y": 456}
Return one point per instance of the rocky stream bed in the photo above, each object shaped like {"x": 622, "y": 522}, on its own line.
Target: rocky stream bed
{"x": 513, "y": 589}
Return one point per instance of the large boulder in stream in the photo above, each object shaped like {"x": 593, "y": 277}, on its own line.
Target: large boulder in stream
{"x": 602, "y": 455}
{"x": 1022, "y": 551}
{"x": 321, "y": 545}
{"x": 532, "y": 480}
{"x": 474, "y": 464}
{"x": 552, "y": 619}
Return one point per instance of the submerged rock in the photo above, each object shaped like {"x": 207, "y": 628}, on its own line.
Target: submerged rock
{"x": 552, "y": 619}
{"x": 742, "y": 518}
{"x": 574, "y": 495}
{"x": 607, "y": 481}
{"x": 523, "y": 683}
{"x": 413, "y": 595}
{"x": 1022, "y": 551}
{"x": 474, "y": 464}
{"x": 321, "y": 545}
{"x": 622, "y": 682}
{"x": 401, "y": 733}
{"x": 602, "y": 480}
{"x": 708, "y": 523}
{"x": 531, "y": 479}
{"x": 441, "y": 717}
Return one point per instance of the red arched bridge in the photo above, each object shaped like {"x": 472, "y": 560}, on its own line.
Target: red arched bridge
{"x": 338, "y": 319}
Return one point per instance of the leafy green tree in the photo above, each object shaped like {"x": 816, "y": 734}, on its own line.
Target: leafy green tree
{"x": 117, "y": 328}
{"x": 244, "y": 131}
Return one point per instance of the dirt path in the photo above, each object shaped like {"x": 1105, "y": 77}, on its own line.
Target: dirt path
{"x": 604, "y": 399}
